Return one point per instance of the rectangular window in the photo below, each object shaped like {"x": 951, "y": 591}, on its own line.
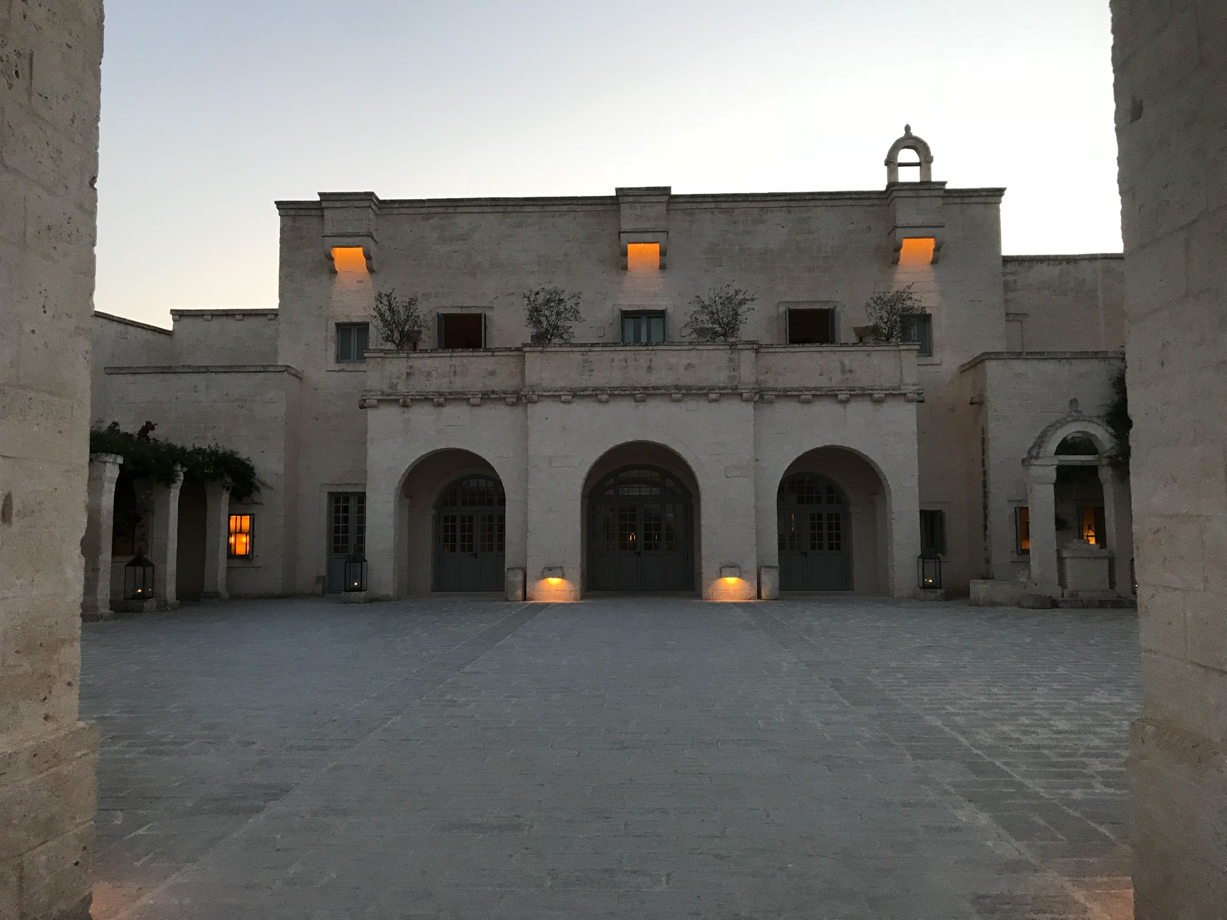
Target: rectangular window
{"x": 641, "y": 257}
{"x": 1090, "y": 525}
{"x": 918, "y": 328}
{"x": 932, "y": 533}
{"x": 916, "y": 251}
{"x": 240, "y": 544}
{"x": 352, "y": 341}
{"x": 643, "y": 327}
{"x": 1022, "y": 530}
{"x": 810, "y": 326}
{"x": 462, "y": 330}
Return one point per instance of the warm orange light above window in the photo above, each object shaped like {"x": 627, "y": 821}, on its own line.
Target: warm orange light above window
{"x": 916, "y": 251}
{"x": 643, "y": 257}
{"x": 349, "y": 259}
{"x": 240, "y": 535}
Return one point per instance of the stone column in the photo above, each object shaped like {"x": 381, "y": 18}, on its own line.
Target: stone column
{"x": 1118, "y": 522}
{"x": 99, "y": 528}
{"x": 217, "y": 536}
{"x": 164, "y": 537}
{"x": 48, "y": 156}
{"x": 1170, "y": 62}
{"x": 1041, "y": 502}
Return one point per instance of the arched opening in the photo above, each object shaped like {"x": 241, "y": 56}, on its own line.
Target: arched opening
{"x": 454, "y": 519}
{"x": 470, "y": 535}
{"x": 190, "y": 555}
{"x": 833, "y": 524}
{"x": 641, "y": 521}
{"x": 814, "y": 539}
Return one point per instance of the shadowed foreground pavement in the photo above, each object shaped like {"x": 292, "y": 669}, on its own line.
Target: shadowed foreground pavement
{"x": 620, "y": 758}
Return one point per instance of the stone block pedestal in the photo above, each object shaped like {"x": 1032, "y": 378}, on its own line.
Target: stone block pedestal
{"x": 768, "y": 582}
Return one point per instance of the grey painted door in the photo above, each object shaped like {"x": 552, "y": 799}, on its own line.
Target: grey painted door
{"x": 470, "y": 536}
{"x": 640, "y": 533}
{"x": 815, "y": 551}
{"x": 346, "y": 534}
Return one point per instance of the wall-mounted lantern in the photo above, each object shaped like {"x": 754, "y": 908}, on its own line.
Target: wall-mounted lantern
{"x": 138, "y": 579}
{"x": 929, "y": 572}
{"x": 553, "y": 574}
{"x": 355, "y": 573}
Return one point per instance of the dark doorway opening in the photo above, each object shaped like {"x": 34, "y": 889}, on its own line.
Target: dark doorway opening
{"x": 462, "y": 330}
{"x": 640, "y": 536}
{"x": 811, "y": 327}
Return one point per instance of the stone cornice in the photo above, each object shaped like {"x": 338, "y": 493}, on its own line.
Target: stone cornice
{"x": 207, "y": 369}
{"x": 1042, "y": 356}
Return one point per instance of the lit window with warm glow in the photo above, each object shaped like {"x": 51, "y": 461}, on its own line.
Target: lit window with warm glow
{"x": 349, "y": 259}
{"x": 916, "y": 251}
{"x": 643, "y": 257}
{"x": 1022, "y": 520}
{"x": 1091, "y": 525}
{"x": 240, "y": 536}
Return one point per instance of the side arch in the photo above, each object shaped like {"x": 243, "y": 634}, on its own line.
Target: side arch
{"x": 909, "y": 141}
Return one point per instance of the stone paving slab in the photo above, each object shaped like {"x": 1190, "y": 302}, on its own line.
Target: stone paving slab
{"x": 624, "y": 757}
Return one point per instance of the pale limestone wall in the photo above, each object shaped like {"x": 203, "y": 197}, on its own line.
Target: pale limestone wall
{"x": 49, "y": 96}
{"x": 1017, "y": 397}
{"x": 819, "y": 249}
{"x": 728, "y": 421}
{"x": 1065, "y": 303}
{"x": 249, "y": 408}
{"x": 224, "y": 336}
{"x": 1171, "y": 116}
{"x": 115, "y": 340}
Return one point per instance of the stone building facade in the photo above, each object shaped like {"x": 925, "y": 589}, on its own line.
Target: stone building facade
{"x": 802, "y": 457}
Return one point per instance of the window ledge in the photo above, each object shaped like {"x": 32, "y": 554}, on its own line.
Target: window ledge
{"x": 927, "y": 361}
{"x": 347, "y": 368}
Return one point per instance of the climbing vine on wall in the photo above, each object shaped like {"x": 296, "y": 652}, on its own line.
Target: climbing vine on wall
{"x": 1116, "y": 417}
{"x": 147, "y": 457}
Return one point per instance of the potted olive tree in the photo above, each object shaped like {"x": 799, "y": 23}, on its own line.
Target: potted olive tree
{"x": 399, "y": 321}
{"x": 550, "y": 313}
{"x": 719, "y": 315}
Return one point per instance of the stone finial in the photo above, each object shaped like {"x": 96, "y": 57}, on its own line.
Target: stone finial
{"x": 907, "y": 130}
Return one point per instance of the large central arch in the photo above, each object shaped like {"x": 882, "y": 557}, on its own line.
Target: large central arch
{"x": 640, "y": 521}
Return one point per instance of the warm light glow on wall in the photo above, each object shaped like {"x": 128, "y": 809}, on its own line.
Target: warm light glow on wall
{"x": 349, "y": 259}
{"x": 643, "y": 257}
{"x": 916, "y": 251}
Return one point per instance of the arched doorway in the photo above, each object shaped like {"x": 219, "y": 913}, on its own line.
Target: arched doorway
{"x": 470, "y": 535}
{"x": 814, "y": 542}
{"x": 640, "y": 532}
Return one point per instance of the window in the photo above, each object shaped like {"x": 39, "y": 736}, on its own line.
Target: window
{"x": 643, "y": 257}
{"x": 916, "y": 251}
{"x": 643, "y": 327}
{"x": 348, "y": 523}
{"x": 1022, "y": 530}
{"x": 932, "y": 533}
{"x": 1090, "y": 525}
{"x": 352, "y": 341}
{"x": 462, "y": 330}
{"x": 349, "y": 259}
{"x": 240, "y": 545}
{"x": 918, "y": 328}
{"x": 810, "y": 327}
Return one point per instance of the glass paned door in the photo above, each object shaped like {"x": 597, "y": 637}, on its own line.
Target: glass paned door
{"x": 346, "y": 534}
{"x": 639, "y": 538}
{"x": 470, "y": 536}
{"x": 813, "y": 537}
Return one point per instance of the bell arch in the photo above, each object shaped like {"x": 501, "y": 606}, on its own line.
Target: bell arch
{"x": 909, "y": 141}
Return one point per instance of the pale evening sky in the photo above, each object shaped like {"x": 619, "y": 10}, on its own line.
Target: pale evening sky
{"x": 211, "y": 111}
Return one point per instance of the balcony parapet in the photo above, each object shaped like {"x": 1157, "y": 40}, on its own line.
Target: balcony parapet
{"x": 677, "y": 370}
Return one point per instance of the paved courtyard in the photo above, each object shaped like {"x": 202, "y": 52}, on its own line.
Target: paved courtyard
{"x": 620, "y": 758}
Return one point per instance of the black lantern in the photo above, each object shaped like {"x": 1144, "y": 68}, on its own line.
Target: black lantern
{"x": 929, "y": 571}
{"x": 138, "y": 579}
{"x": 355, "y": 572}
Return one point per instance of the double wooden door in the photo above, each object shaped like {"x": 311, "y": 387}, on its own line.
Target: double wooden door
{"x": 470, "y": 536}
{"x": 640, "y": 536}
{"x": 815, "y": 553}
